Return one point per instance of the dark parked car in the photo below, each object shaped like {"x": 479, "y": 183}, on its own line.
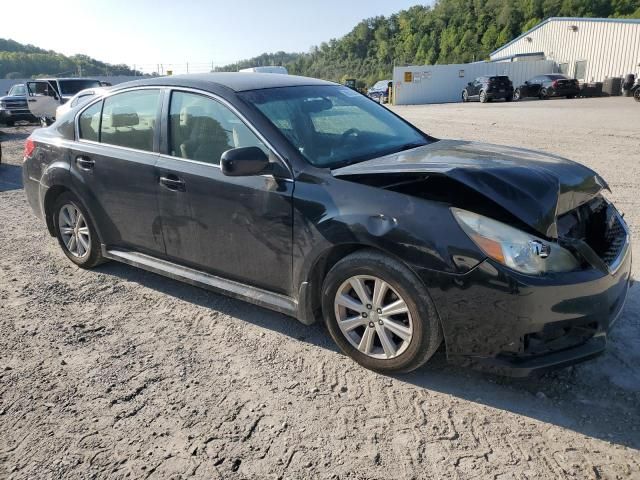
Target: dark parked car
{"x": 13, "y": 106}
{"x": 547, "y": 86}
{"x": 305, "y": 197}
{"x": 487, "y": 88}
{"x": 380, "y": 91}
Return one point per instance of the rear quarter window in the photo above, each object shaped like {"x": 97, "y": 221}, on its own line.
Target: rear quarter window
{"x": 89, "y": 123}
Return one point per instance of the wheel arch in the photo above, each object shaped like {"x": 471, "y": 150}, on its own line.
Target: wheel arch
{"x": 310, "y": 290}
{"x": 49, "y": 201}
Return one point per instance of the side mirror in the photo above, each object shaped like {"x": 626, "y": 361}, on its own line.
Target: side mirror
{"x": 527, "y": 82}
{"x": 244, "y": 162}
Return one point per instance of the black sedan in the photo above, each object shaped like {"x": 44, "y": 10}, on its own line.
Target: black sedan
{"x": 548, "y": 86}
{"x": 305, "y": 197}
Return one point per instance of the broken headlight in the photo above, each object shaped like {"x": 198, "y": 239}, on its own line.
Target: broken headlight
{"x": 514, "y": 248}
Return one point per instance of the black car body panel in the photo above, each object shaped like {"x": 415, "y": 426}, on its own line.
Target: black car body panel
{"x": 270, "y": 238}
{"x": 533, "y": 186}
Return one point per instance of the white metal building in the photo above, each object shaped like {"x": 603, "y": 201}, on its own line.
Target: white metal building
{"x": 418, "y": 84}
{"x": 589, "y": 49}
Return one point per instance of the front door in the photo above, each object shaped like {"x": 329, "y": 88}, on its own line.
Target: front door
{"x": 42, "y": 99}
{"x": 236, "y": 227}
{"x": 114, "y": 164}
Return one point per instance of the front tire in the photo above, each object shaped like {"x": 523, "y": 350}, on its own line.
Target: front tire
{"x": 517, "y": 95}
{"x": 379, "y": 313}
{"x": 544, "y": 94}
{"x": 75, "y": 232}
{"x": 636, "y": 95}
{"x": 465, "y": 96}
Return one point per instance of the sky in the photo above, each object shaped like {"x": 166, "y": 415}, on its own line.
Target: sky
{"x": 203, "y": 33}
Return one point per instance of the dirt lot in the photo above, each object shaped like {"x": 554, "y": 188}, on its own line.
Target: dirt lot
{"x": 121, "y": 373}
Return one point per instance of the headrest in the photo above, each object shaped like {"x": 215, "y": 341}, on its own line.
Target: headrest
{"x": 124, "y": 117}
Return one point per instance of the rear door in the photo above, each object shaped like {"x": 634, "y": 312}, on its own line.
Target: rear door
{"x": 535, "y": 84}
{"x": 114, "y": 165}
{"x": 42, "y": 98}
{"x": 236, "y": 227}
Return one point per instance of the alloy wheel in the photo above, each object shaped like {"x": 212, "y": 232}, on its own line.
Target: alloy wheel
{"x": 74, "y": 231}
{"x": 373, "y": 317}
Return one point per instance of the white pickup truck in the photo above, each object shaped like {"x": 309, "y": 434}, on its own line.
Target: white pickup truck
{"x": 45, "y": 95}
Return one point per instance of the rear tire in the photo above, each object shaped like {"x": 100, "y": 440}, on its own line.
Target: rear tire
{"x": 10, "y": 123}
{"x": 571, "y": 97}
{"x": 517, "y": 95}
{"x": 636, "y": 95}
{"x": 376, "y": 338}
{"x": 465, "y": 96}
{"x": 544, "y": 94}
{"x": 508, "y": 99}
{"x": 75, "y": 232}
{"x": 483, "y": 97}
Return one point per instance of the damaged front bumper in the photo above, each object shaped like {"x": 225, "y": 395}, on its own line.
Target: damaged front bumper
{"x": 512, "y": 324}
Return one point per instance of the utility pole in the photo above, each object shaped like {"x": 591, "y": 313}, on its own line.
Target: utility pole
{"x": 187, "y": 67}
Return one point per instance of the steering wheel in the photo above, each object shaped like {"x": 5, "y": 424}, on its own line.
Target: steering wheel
{"x": 352, "y": 132}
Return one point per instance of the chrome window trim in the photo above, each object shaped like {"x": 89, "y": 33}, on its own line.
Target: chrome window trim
{"x": 170, "y": 89}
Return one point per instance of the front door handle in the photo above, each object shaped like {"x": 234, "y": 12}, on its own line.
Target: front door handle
{"x": 84, "y": 163}
{"x": 172, "y": 182}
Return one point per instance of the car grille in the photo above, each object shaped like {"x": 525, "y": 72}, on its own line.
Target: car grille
{"x": 599, "y": 225}
{"x": 14, "y": 104}
{"x": 615, "y": 239}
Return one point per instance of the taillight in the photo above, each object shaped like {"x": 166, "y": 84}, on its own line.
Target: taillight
{"x": 29, "y": 147}
{"x": 554, "y": 84}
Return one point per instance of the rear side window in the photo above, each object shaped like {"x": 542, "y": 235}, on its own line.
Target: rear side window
{"x": 89, "y": 122}
{"x": 202, "y": 129}
{"x": 129, "y": 119}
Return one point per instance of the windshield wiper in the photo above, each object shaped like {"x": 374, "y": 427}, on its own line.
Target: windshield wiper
{"x": 409, "y": 146}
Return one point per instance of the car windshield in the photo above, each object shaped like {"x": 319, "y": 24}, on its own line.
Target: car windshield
{"x": 71, "y": 87}
{"x": 556, "y": 77}
{"x": 381, "y": 85}
{"x": 18, "y": 90}
{"x": 334, "y": 126}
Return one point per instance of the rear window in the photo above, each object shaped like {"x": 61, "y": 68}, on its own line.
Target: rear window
{"x": 499, "y": 79}
{"x": 71, "y": 87}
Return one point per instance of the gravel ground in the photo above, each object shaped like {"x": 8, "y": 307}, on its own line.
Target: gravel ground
{"x": 119, "y": 373}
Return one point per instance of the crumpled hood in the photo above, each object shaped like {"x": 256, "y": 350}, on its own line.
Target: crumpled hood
{"x": 536, "y": 187}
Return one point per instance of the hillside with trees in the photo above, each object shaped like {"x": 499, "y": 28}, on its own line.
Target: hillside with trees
{"x": 25, "y": 61}
{"x": 450, "y": 31}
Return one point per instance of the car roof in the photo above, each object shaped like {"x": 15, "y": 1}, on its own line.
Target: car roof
{"x": 236, "y": 81}
{"x": 64, "y": 78}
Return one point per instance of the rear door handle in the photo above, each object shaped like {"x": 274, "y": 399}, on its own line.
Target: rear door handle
{"x": 31, "y": 100}
{"x": 84, "y": 163}
{"x": 172, "y": 182}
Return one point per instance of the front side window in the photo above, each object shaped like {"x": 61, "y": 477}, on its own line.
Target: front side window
{"x": 71, "y": 87}
{"x": 333, "y": 126}
{"x": 89, "y": 122}
{"x": 129, "y": 119}
{"x": 202, "y": 129}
